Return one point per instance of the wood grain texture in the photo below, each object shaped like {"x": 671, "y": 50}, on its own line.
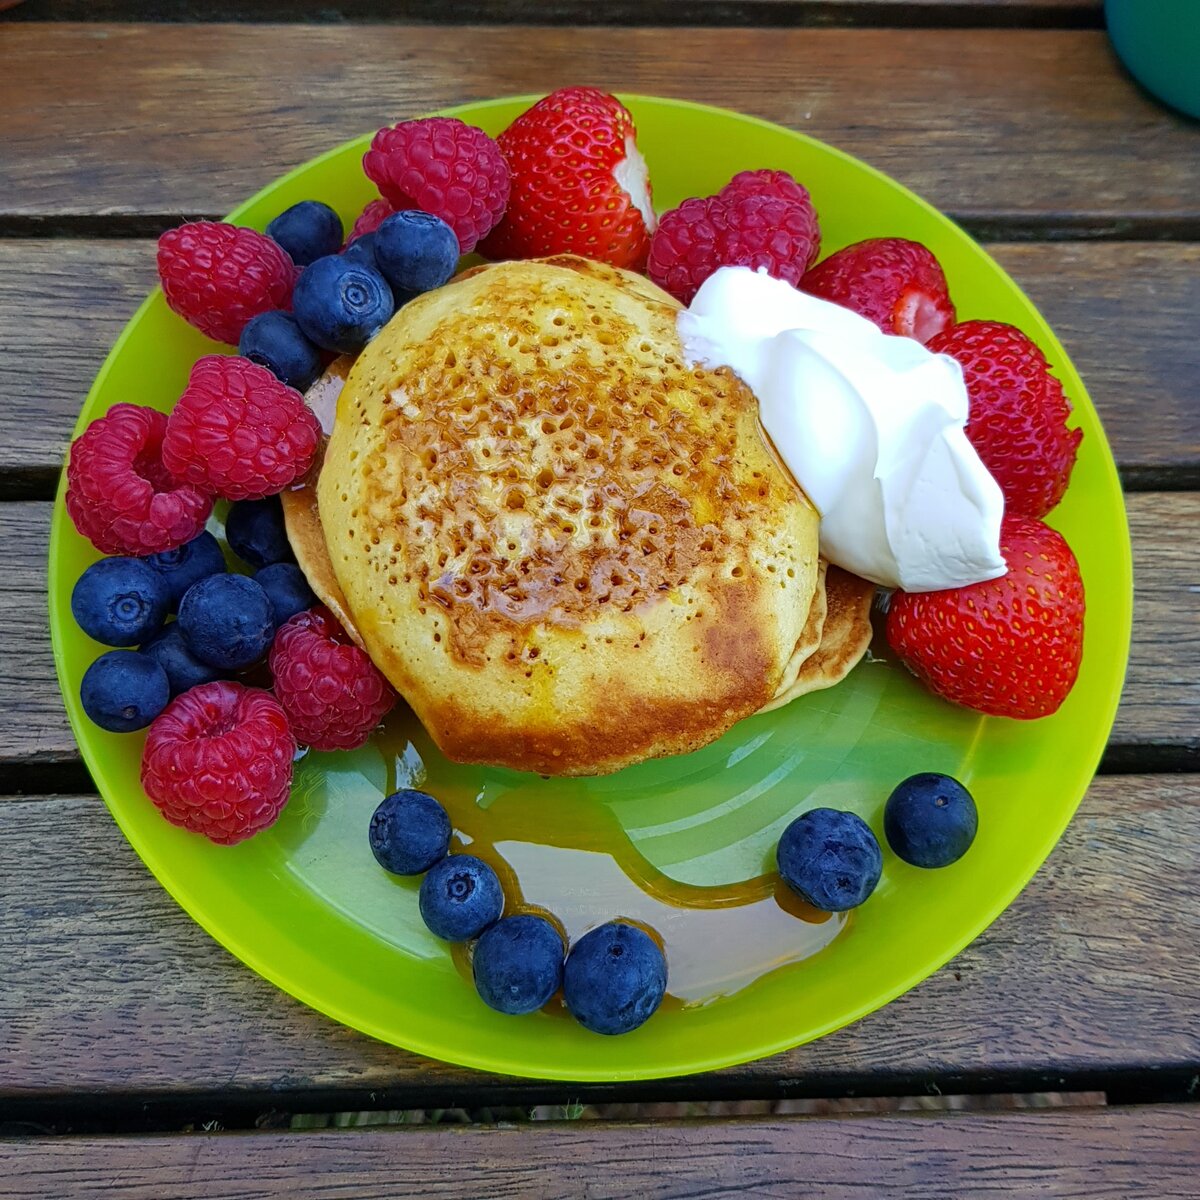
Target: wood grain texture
{"x": 1122, "y": 309}
{"x": 1038, "y": 13}
{"x": 1160, "y": 708}
{"x": 90, "y": 288}
{"x": 112, "y": 991}
{"x": 1164, "y": 668}
{"x": 35, "y": 728}
{"x": 1082, "y": 1154}
{"x": 990, "y": 125}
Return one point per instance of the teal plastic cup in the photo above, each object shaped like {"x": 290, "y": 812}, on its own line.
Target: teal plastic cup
{"x": 1159, "y": 42}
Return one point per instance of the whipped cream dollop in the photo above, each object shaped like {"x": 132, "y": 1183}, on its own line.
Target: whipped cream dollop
{"x": 870, "y": 425}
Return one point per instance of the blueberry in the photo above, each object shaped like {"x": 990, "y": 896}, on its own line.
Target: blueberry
{"x": 188, "y": 564}
{"x": 287, "y": 590}
{"x": 460, "y": 898}
{"x": 830, "y": 858}
{"x": 275, "y": 341}
{"x": 416, "y": 251}
{"x": 120, "y": 601}
{"x": 184, "y": 670}
{"x": 342, "y": 305}
{"x": 256, "y": 533}
{"x": 410, "y": 832}
{"x": 124, "y": 690}
{"x": 518, "y": 964}
{"x": 307, "y": 231}
{"x": 930, "y": 820}
{"x": 226, "y": 621}
{"x": 614, "y": 978}
{"x": 362, "y": 251}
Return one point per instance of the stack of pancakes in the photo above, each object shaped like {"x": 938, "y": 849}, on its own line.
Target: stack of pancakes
{"x": 567, "y": 549}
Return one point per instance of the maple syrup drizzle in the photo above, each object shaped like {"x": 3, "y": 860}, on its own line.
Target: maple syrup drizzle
{"x": 567, "y": 858}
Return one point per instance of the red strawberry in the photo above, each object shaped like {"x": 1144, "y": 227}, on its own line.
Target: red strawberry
{"x": 1018, "y": 422}
{"x": 1009, "y": 647}
{"x": 895, "y": 283}
{"x": 579, "y": 182}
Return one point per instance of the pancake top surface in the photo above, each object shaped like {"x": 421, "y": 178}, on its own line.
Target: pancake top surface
{"x": 530, "y": 500}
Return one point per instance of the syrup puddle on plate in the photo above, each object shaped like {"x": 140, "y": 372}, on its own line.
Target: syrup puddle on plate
{"x": 568, "y": 858}
{"x": 682, "y": 846}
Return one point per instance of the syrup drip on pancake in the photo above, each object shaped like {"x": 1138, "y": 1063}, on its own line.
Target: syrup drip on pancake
{"x": 528, "y": 499}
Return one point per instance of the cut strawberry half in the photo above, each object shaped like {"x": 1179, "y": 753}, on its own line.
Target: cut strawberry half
{"x": 895, "y": 283}
{"x": 579, "y": 183}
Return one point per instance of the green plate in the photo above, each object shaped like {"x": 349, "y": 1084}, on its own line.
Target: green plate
{"x": 304, "y": 903}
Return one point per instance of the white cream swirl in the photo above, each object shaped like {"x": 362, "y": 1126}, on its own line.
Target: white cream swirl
{"x": 870, "y": 425}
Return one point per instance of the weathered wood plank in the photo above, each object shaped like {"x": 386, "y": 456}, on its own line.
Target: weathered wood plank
{"x": 1073, "y": 1154}
{"x": 990, "y": 125}
{"x": 1145, "y": 383}
{"x": 1035, "y": 13}
{"x": 1158, "y": 714}
{"x": 1121, "y": 309}
{"x": 62, "y": 305}
{"x": 112, "y": 991}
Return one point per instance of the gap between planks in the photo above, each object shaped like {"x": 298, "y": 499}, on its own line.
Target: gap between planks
{"x": 1040, "y": 14}
{"x": 985, "y": 227}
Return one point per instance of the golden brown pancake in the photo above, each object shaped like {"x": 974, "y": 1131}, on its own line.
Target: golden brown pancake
{"x": 568, "y": 550}
{"x": 845, "y": 636}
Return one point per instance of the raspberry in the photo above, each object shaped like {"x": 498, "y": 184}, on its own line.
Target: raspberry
{"x": 751, "y": 226}
{"x": 445, "y": 167}
{"x": 1018, "y": 421}
{"x": 218, "y": 761}
{"x": 237, "y": 431}
{"x": 369, "y": 220}
{"x": 895, "y": 283}
{"x": 121, "y": 496}
{"x": 766, "y": 183}
{"x": 218, "y": 276}
{"x": 331, "y": 691}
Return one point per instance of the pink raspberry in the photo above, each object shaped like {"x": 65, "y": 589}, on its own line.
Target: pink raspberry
{"x": 237, "y": 431}
{"x": 331, "y": 691}
{"x": 754, "y": 225}
{"x": 369, "y": 220}
{"x": 217, "y": 276}
{"x": 120, "y": 495}
{"x": 218, "y": 761}
{"x": 767, "y": 183}
{"x": 445, "y": 167}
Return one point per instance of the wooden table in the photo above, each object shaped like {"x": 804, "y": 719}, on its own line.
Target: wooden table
{"x": 124, "y": 1025}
